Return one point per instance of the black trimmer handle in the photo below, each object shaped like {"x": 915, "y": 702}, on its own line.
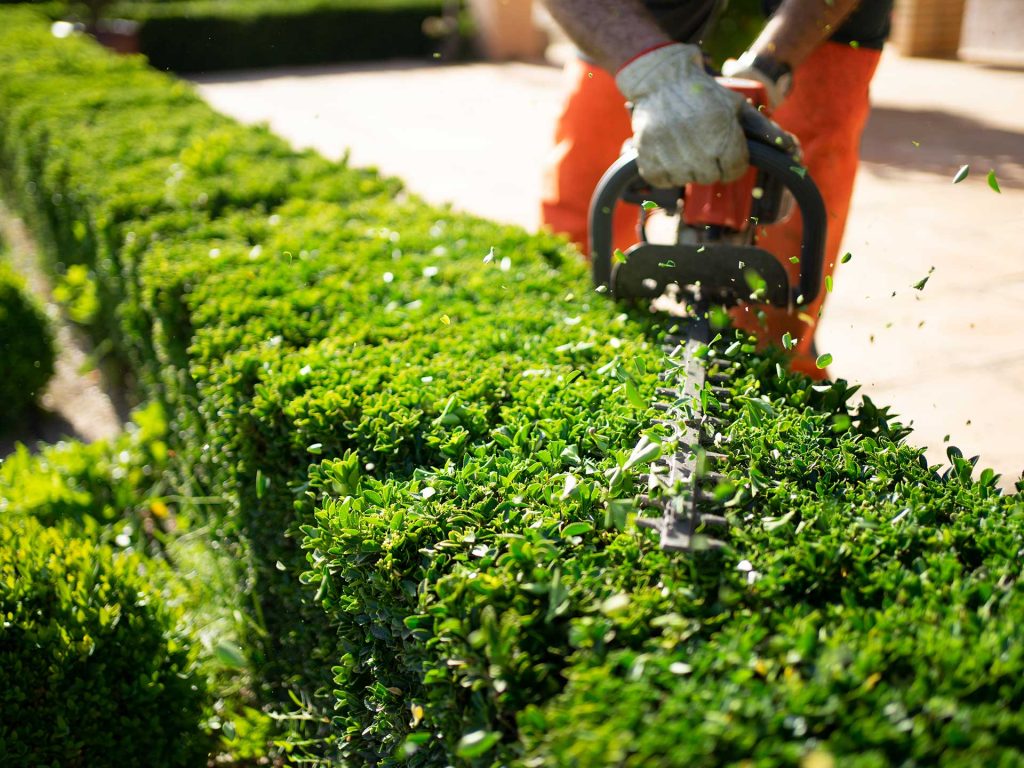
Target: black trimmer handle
{"x": 624, "y": 176}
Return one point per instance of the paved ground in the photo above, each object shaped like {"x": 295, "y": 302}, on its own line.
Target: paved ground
{"x": 949, "y": 358}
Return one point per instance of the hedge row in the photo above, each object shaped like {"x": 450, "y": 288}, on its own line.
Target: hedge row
{"x": 427, "y": 429}
{"x": 203, "y": 35}
{"x": 212, "y": 35}
{"x": 107, "y": 521}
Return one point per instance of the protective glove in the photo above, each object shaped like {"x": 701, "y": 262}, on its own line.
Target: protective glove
{"x": 776, "y": 84}
{"x": 685, "y": 125}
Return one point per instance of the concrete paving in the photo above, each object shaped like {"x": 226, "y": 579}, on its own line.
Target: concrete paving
{"x": 948, "y": 358}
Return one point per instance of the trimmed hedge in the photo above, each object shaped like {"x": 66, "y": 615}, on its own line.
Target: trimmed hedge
{"x": 118, "y": 493}
{"x": 444, "y": 415}
{"x": 208, "y": 35}
{"x": 26, "y": 347}
{"x": 213, "y": 35}
{"x": 92, "y": 669}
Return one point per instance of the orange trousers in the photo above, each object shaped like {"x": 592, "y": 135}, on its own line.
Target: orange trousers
{"x": 826, "y": 110}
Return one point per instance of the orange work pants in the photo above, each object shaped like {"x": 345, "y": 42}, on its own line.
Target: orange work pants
{"x": 826, "y": 110}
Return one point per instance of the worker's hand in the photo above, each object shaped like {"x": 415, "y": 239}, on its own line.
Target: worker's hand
{"x": 685, "y": 125}
{"x": 776, "y": 87}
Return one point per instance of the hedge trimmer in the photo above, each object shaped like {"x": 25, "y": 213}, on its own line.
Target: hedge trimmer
{"x": 715, "y": 262}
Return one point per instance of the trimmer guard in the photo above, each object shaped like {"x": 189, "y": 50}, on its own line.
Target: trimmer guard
{"x": 725, "y": 274}
{"x": 720, "y": 268}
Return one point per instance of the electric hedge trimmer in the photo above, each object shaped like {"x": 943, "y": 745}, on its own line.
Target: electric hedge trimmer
{"x": 715, "y": 262}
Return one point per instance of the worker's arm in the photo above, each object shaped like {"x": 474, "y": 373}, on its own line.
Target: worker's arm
{"x": 685, "y": 125}
{"x": 800, "y": 26}
{"x": 611, "y": 32}
{"x": 794, "y": 31}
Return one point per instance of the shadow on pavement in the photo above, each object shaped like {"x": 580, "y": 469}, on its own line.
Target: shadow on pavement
{"x": 37, "y": 426}
{"x": 945, "y": 142}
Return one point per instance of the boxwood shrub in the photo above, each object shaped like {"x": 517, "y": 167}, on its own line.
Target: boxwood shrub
{"x": 92, "y": 669}
{"x": 426, "y": 428}
{"x": 26, "y": 346}
{"x": 208, "y": 35}
{"x": 211, "y": 35}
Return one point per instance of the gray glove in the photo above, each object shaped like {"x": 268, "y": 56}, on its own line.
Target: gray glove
{"x": 685, "y": 125}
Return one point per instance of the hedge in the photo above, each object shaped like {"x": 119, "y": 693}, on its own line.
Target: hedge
{"x": 426, "y": 424}
{"x": 26, "y": 346}
{"x": 92, "y": 669}
{"x": 203, "y": 36}
{"x": 118, "y": 493}
{"x": 213, "y": 35}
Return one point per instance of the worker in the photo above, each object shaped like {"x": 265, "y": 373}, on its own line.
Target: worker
{"x": 815, "y": 58}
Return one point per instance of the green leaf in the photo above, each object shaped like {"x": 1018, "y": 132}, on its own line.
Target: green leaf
{"x": 828, "y": 283}
{"x": 920, "y": 284}
{"x": 576, "y": 529}
{"x": 615, "y": 604}
{"x": 824, "y": 360}
{"x": 961, "y": 174}
{"x": 846, "y": 257}
{"x": 755, "y": 282}
{"x": 649, "y": 205}
{"x": 645, "y": 451}
{"x": 788, "y": 342}
{"x": 771, "y": 523}
{"x": 571, "y": 484}
{"x": 477, "y": 744}
{"x": 262, "y": 483}
{"x": 634, "y": 396}
{"x": 230, "y": 655}
{"x": 841, "y": 422}
{"x": 993, "y": 182}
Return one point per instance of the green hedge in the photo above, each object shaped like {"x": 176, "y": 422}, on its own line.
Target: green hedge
{"x": 92, "y": 669}
{"x": 442, "y": 413}
{"x": 26, "y": 347}
{"x": 212, "y": 35}
{"x": 119, "y": 493}
{"x": 206, "y": 35}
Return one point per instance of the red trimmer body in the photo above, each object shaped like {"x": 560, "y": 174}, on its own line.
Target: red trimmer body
{"x": 726, "y": 205}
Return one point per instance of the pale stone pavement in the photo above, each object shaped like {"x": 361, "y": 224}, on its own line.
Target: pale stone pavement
{"x": 949, "y": 358}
